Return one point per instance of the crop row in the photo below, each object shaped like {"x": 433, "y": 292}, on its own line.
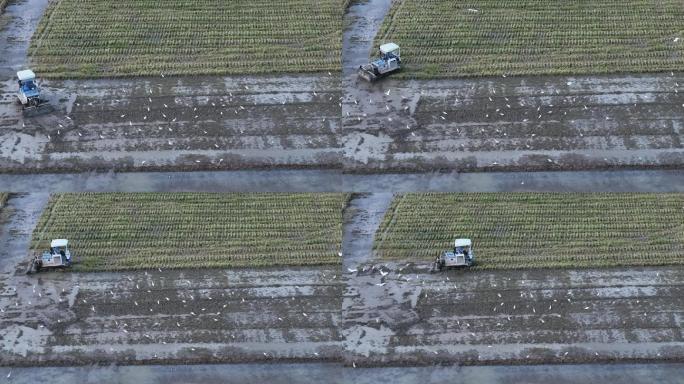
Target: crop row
{"x": 115, "y": 231}
{"x": 538, "y": 229}
{"x": 143, "y": 37}
{"x": 490, "y": 37}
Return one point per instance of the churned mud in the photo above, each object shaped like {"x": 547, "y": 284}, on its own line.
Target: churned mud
{"x": 176, "y": 123}
{"x": 399, "y": 313}
{"x": 516, "y": 123}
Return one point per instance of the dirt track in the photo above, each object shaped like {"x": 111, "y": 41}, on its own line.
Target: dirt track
{"x": 335, "y": 181}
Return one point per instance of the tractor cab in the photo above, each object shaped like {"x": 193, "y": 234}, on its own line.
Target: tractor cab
{"x": 28, "y": 88}
{"x": 390, "y": 56}
{"x": 29, "y": 94}
{"x": 58, "y": 256}
{"x": 462, "y": 255}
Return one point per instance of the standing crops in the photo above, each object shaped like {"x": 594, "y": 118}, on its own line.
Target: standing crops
{"x": 121, "y": 231}
{"x": 516, "y": 230}
{"x": 442, "y": 38}
{"x": 92, "y": 38}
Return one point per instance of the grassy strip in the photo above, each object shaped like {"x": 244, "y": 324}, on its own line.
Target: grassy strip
{"x": 442, "y": 38}
{"x": 98, "y": 38}
{"x": 516, "y": 230}
{"x": 123, "y": 231}
{"x": 3, "y": 198}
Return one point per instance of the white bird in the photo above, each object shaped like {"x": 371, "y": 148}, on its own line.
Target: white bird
{"x": 352, "y": 270}
{"x": 383, "y": 273}
{"x": 380, "y": 284}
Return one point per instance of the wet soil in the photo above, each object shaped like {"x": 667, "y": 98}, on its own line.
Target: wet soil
{"x": 176, "y": 123}
{"x": 335, "y": 373}
{"x": 413, "y": 317}
{"x": 335, "y": 181}
{"x": 515, "y": 123}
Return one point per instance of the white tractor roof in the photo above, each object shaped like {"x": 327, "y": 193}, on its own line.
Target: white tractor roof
{"x": 26, "y": 74}
{"x": 389, "y": 47}
{"x": 59, "y": 243}
{"x": 462, "y": 243}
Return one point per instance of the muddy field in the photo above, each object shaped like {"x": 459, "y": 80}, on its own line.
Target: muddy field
{"x": 336, "y": 373}
{"x": 176, "y": 123}
{"x": 521, "y": 317}
{"x": 167, "y": 317}
{"x": 519, "y": 123}
{"x": 158, "y": 316}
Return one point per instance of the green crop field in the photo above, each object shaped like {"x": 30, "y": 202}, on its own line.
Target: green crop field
{"x": 120, "y": 231}
{"x": 95, "y": 38}
{"x": 519, "y": 230}
{"x": 443, "y": 38}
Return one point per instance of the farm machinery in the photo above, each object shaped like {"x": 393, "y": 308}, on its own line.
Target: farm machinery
{"x": 389, "y": 62}
{"x": 461, "y": 256}
{"x": 29, "y": 94}
{"x": 57, "y": 257}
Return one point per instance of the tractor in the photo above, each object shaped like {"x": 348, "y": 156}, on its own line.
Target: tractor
{"x": 57, "y": 257}
{"x": 389, "y": 62}
{"x": 461, "y": 256}
{"x": 29, "y": 93}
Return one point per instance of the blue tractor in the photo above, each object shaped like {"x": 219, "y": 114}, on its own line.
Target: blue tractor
{"x": 389, "y": 62}
{"x": 29, "y": 92}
